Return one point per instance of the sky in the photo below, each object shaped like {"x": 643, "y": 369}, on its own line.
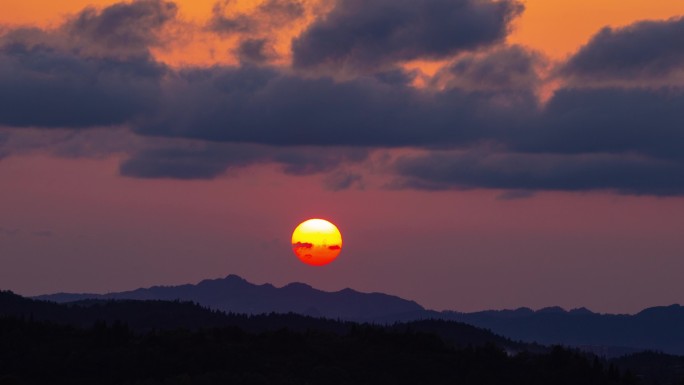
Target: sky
{"x": 475, "y": 154}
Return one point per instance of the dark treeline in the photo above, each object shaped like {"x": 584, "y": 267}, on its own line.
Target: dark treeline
{"x": 145, "y": 316}
{"x": 653, "y": 367}
{"x": 157, "y": 342}
{"x": 38, "y": 352}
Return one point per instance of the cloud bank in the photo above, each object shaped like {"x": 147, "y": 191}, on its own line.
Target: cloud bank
{"x": 373, "y": 34}
{"x": 615, "y": 120}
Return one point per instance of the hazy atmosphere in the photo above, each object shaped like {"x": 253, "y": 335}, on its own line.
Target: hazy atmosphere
{"x": 535, "y": 160}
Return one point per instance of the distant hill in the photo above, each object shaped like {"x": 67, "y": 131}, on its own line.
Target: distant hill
{"x": 234, "y": 294}
{"x": 35, "y": 350}
{"x": 658, "y": 328}
{"x": 171, "y": 342}
{"x": 149, "y": 315}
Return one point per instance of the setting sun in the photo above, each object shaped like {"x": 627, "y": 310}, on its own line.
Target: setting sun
{"x": 316, "y": 242}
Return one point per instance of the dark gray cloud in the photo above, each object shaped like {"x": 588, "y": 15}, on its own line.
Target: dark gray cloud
{"x": 366, "y": 35}
{"x": 186, "y": 160}
{"x": 40, "y": 71}
{"x": 315, "y": 160}
{"x": 502, "y": 68}
{"x": 647, "y": 49}
{"x": 396, "y": 76}
{"x": 198, "y": 123}
{"x": 262, "y": 105}
{"x": 95, "y": 70}
{"x": 627, "y": 174}
{"x": 4, "y": 138}
{"x": 254, "y": 51}
{"x": 244, "y": 104}
{"x": 269, "y": 15}
{"x": 70, "y": 143}
{"x": 610, "y": 120}
{"x": 47, "y": 87}
{"x": 126, "y": 27}
{"x": 226, "y": 25}
{"x": 627, "y": 140}
{"x": 184, "y": 163}
{"x": 282, "y": 12}
{"x": 343, "y": 180}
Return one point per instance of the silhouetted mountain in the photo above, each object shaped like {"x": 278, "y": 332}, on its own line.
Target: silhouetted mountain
{"x": 139, "y": 315}
{"x": 173, "y": 342}
{"x": 657, "y": 328}
{"x": 149, "y": 315}
{"x": 234, "y": 294}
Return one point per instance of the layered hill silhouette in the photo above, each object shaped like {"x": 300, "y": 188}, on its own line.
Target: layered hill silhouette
{"x": 115, "y": 342}
{"x": 657, "y": 328}
{"x": 235, "y": 294}
{"x": 145, "y": 316}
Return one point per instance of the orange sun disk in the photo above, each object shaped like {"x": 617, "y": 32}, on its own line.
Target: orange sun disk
{"x": 316, "y": 242}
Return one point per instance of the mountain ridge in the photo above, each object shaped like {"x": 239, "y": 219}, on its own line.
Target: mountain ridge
{"x": 145, "y": 316}
{"x": 656, "y": 328}
{"x": 235, "y": 294}
{"x": 173, "y": 342}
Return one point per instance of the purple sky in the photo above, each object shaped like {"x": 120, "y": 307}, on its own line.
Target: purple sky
{"x": 464, "y": 172}
{"x": 75, "y": 225}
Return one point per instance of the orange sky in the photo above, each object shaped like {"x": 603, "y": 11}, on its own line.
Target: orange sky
{"x": 559, "y": 27}
{"x": 556, "y": 27}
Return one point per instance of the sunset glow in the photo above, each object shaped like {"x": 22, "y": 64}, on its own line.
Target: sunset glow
{"x": 488, "y": 147}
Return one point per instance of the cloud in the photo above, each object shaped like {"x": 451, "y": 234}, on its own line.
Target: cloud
{"x": 281, "y": 12}
{"x": 335, "y": 247}
{"x": 43, "y": 86}
{"x": 196, "y": 160}
{"x": 609, "y": 120}
{"x": 341, "y": 180}
{"x": 648, "y": 49}
{"x": 254, "y": 51}
{"x": 269, "y": 15}
{"x": 68, "y": 143}
{"x": 72, "y": 88}
{"x": 183, "y": 163}
{"x": 266, "y": 106}
{"x": 4, "y": 138}
{"x": 367, "y": 35}
{"x": 477, "y": 124}
{"x": 230, "y": 25}
{"x": 396, "y": 77}
{"x": 627, "y": 174}
{"x": 95, "y": 70}
{"x": 126, "y": 27}
{"x": 626, "y": 140}
{"x": 500, "y": 69}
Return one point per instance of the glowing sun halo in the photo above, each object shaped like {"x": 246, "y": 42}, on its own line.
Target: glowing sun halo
{"x": 316, "y": 242}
